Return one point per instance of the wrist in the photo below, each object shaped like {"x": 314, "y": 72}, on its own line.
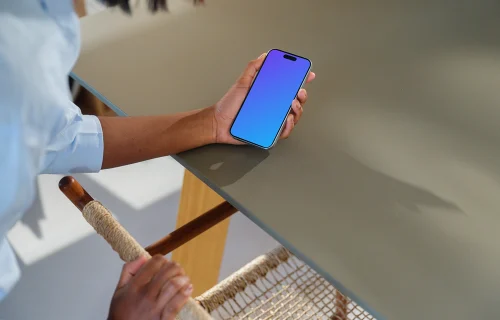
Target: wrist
{"x": 210, "y": 124}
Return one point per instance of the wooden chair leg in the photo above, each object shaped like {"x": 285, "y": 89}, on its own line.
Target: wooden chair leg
{"x": 192, "y": 229}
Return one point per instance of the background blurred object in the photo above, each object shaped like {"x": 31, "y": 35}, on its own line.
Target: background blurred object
{"x": 86, "y": 101}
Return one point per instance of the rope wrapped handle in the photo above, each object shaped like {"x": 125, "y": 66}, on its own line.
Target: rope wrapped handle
{"x": 119, "y": 239}
{"x": 112, "y": 231}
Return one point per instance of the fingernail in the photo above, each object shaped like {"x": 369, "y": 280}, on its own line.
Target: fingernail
{"x": 262, "y": 55}
{"x": 188, "y": 290}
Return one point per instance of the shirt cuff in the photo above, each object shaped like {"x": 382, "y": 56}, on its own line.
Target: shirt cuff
{"x": 84, "y": 154}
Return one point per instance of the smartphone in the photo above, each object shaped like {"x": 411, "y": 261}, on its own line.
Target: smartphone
{"x": 262, "y": 115}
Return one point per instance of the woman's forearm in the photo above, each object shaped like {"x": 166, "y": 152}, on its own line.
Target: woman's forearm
{"x": 129, "y": 140}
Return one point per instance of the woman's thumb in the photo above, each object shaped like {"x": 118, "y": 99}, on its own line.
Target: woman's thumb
{"x": 130, "y": 269}
{"x": 251, "y": 70}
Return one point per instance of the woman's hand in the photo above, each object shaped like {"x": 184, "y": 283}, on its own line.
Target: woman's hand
{"x": 226, "y": 109}
{"x": 154, "y": 289}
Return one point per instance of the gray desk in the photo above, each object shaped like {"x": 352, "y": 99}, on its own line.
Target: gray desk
{"x": 390, "y": 185}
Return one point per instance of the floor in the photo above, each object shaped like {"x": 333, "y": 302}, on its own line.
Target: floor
{"x": 70, "y": 273}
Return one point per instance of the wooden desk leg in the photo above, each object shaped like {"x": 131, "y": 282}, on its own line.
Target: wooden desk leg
{"x": 202, "y": 256}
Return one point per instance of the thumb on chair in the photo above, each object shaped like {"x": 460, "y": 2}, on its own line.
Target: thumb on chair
{"x": 129, "y": 270}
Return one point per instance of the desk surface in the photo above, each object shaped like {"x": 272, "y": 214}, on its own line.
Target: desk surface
{"x": 390, "y": 185}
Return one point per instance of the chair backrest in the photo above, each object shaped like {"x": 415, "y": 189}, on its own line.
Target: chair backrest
{"x": 120, "y": 240}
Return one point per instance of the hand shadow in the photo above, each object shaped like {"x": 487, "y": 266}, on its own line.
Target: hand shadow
{"x": 222, "y": 165}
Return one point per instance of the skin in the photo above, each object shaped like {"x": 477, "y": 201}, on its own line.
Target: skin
{"x": 154, "y": 289}
{"x": 157, "y": 289}
{"x": 129, "y": 140}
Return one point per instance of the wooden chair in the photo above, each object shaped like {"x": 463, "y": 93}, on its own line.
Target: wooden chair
{"x": 276, "y": 285}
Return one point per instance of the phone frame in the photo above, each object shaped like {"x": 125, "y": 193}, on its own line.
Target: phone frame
{"x": 276, "y": 138}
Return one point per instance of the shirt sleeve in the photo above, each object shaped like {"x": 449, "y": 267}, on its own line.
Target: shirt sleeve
{"x": 41, "y": 130}
{"x": 78, "y": 147}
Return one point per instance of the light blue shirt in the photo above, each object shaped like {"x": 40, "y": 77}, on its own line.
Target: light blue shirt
{"x": 41, "y": 130}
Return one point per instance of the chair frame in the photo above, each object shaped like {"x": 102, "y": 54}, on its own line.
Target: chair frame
{"x": 80, "y": 198}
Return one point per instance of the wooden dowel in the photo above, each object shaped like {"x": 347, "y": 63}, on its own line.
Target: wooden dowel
{"x": 192, "y": 229}
{"x": 75, "y": 192}
{"x": 79, "y": 197}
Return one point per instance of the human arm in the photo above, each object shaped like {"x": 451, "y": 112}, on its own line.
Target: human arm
{"x": 134, "y": 139}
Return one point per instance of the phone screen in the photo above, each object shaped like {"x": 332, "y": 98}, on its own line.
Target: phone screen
{"x": 270, "y": 98}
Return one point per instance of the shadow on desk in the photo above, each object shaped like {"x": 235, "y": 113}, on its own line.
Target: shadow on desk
{"x": 224, "y": 165}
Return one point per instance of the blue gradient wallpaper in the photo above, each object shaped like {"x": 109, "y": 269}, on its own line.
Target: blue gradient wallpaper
{"x": 270, "y": 98}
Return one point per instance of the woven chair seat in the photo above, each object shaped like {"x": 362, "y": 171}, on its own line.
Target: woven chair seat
{"x": 277, "y": 286}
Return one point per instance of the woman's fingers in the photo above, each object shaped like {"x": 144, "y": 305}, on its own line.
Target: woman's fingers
{"x": 148, "y": 271}
{"x": 168, "y": 271}
{"x": 311, "y": 77}
{"x": 297, "y": 110}
{"x": 174, "y": 296}
{"x": 289, "y": 124}
{"x": 302, "y": 96}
